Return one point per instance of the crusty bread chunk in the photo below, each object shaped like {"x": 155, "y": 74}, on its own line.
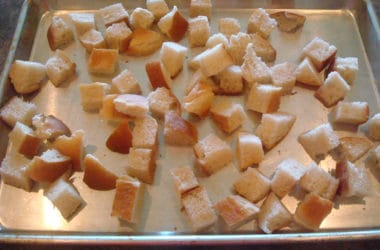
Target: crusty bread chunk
{"x": 96, "y": 175}
{"x": 103, "y": 61}
{"x": 334, "y": 89}
{"x": 65, "y": 197}
{"x": 249, "y": 150}
{"x": 263, "y": 48}
{"x": 283, "y": 75}
{"x": 120, "y": 140}
{"x": 172, "y": 56}
{"x": 252, "y": 185}
{"x": 354, "y": 113}
{"x": 125, "y": 83}
{"x": 162, "y": 101}
{"x": 141, "y": 164}
{"x": 131, "y": 105}
{"x": 287, "y": 21}
{"x": 228, "y": 26}
{"x": 92, "y": 39}
{"x": 118, "y": 36}
{"x": 199, "y": 100}
{"x": 307, "y": 74}
{"x": 227, "y": 115}
{"x": 17, "y": 110}
{"x": 347, "y": 67}
{"x": 158, "y": 75}
{"x": 26, "y": 76}
{"x": 253, "y": 68}
{"x": 212, "y": 154}
{"x": 73, "y": 147}
{"x": 197, "y": 77}
{"x": 184, "y": 179}
{"x": 113, "y": 13}
{"x": 108, "y": 110}
{"x": 319, "y": 141}
{"x": 49, "y": 127}
{"x": 264, "y": 98}
{"x": 320, "y": 52}
{"x": 353, "y": 180}
{"x": 59, "y": 33}
{"x": 319, "y": 181}
{"x": 128, "y": 199}
{"x": 288, "y": 173}
{"x": 200, "y": 8}
{"x": 273, "y": 215}
{"x": 173, "y": 24}
{"x": 92, "y": 95}
{"x": 237, "y": 46}
{"x": 216, "y": 39}
{"x": 355, "y": 147}
{"x": 260, "y": 22}
{"x": 374, "y": 127}
{"x": 83, "y": 22}
{"x": 178, "y": 131}
{"x": 159, "y": 8}
{"x": 24, "y": 140}
{"x": 230, "y": 81}
{"x": 198, "y": 209}
{"x": 141, "y": 18}
{"x": 59, "y": 67}
{"x": 145, "y": 133}
{"x": 236, "y": 211}
{"x": 274, "y": 127}
{"x": 144, "y": 42}
{"x": 214, "y": 60}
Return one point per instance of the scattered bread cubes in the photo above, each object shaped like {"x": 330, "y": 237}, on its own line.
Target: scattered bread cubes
{"x": 118, "y": 36}
{"x": 249, "y": 150}
{"x": 92, "y": 95}
{"x": 199, "y": 31}
{"x": 334, "y": 89}
{"x": 260, "y": 22}
{"x": 354, "y": 113}
{"x": 252, "y": 185}
{"x": 17, "y": 110}
{"x": 162, "y": 101}
{"x": 103, "y": 61}
{"x": 173, "y": 24}
{"x": 227, "y": 115}
{"x": 114, "y": 13}
{"x": 200, "y": 8}
{"x": 178, "y": 131}
{"x": 141, "y": 164}
{"x": 26, "y": 76}
{"x": 60, "y": 68}
{"x": 59, "y": 33}
{"x": 353, "y": 180}
{"x": 320, "y": 53}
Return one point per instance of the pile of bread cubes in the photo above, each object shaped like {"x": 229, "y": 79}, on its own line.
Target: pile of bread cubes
{"x": 43, "y": 149}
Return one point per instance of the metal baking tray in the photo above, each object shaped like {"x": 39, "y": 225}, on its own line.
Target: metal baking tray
{"x": 350, "y": 25}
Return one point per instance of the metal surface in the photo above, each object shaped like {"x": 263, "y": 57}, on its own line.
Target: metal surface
{"x": 30, "y": 217}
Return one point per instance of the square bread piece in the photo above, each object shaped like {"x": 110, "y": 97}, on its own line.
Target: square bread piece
{"x": 173, "y": 56}
{"x": 141, "y": 163}
{"x": 333, "y": 90}
{"x": 159, "y": 8}
{"x": 199, "y": 100}
{"x": 26, "y": 76}
{"x": 92, "y": 39}
{"x": 141, "y": 18}
{"x": 253, "y": 68}
{"x": 374, "y": 127}
{"x": 59, "y": 67}
{"x": 283, "y": 75}
{"x": 260, "y": 22}
{"x": 236, "y": 211}
{"x": 92, "y": 95}
{"x": 263, "y": 48}
{"x": 24, "y": 140}
{"x": 214, "y": 60}
{"x": 249, "y": 150}
{"x": 161, "y": 101}
{"x": 198, "y": 209}
{"x": 59, "y": 33}
{"x": 252, "y": 185}
{"x": 158, "y": 75}
{"x": 113, "y": 13}
{"x": 237, "y": 46}
{"x": 212, "y": 154}
{"x": 83, "y": 22}
{"x": 103, "y": 61}
{"x": 307, "y": 74}
{"x": 125, "y": 83}
{"x": 108, "y": 110}
{"x": 216, "y": 39}
{"x": 48, "y": 127}
{"x": 353, "y": 180}
{"x": 145, "y": 133}
{"x": 227, "y": 115}
{"x": 354, "y": 113}
{"x": 132, "y": 105}
{"x": 17, "y": 110}
{"x": 347, "y": 67}
{"x": 199, "y": 31}
{"x": 264, "y": 98}
{"x": 178, "y": 131}
{"x": 355, "y": 147}
{"x": 200, "y": 8}
{"x": 174, "y": 25}
{"x": 184, "y": 179}
{"x": 320, "y": 52}
{"x": 231, "y": 80}
{"x": 228, "y": 26}
{"x": 118, "y": 36}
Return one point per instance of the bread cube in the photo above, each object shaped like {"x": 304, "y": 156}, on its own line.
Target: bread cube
{"x": 197, "y": 77}
{"x": 273, "y": 215}
{"x": 199, "y": 100}
{"x": 162, "y": 101}
{"x": 200, "y": 8}
{"x": 334, "y": 89}
{"x": 288, "y": 173}
{"x": 184, "y": 179}
{"x": 131, "y": 105}
{"x": 125, "y": 83}
{"x": 83, "y": 22}
{"x": 158, "y": 75}
{"x": 26, "y": 76}
{"x": 141, "y": 164}
{"x": 354, "y": 113}
{"x": 13, "y": 170}
{"x": 216, "y": 39}
{"x": 159, "y": 8}
{"x": 113, "y": 13}
{"x": 228, "y": 26}
{"x": 59, "y": 33}
{"x": 144, "y": 42}
{"x": 214, "y": 60}
{"x": 120, "y": 140}
{"x": 178, "y": 131}
{"x": 141, "y": 18}
{"x": 230, "y": 80}
{"x": 355, "y": 147}
{"x": 173, "y": 24}
{"x": 173, "y": 55}
{"x": 249, "y": 150}
{"x": 274, "y": 127}
{"x": 237, "y": 46}
{"x": 374, "y": 127}
{"x": 227, "y": 115}
{"x": 108, "y": 110}
{"x": 92, "y": 95}
{"x": 320, "y": 52}
{"x": 118, "y": 36}
{"x": 92, "y": 39}
{"x": 198, "y": 209}
{"x": 24, "y": 140}
{"x": 103, "y": 61}
{"x": 145, "y": 133}
{"x": 353, "y": 180}
{"x": 199, "y": 31}
{"x": 236, "y": 211}
{"x": 283, "y": 75}
{"x": 212, "y": 154}
{"x": 96, "y": 175}
{"x": 263, "y": 48}
{"x": 48, "y": 127}
{"x": 17, "y": 110}
{"x": 347, "y": 67}
{"x": 264, "y": 98}
{"x": 260, "y": 22}
{"x": 253, "y": 68}
{"x": 311, "y": 212}
{"x": 288, "y": 21}
{"x": 252, "y": 185}
{"x": 375, "y": 155}
{"x": 307, "y": 74}
{"x": 59, "y": 68}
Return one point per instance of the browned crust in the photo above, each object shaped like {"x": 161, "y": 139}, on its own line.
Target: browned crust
{"x": 42, "y": 170}
{"x": 155, "y": 75}
{"x": 144, "y": 42}
{"x": 120, "y": 140}
{"x": 288, "y": 21}
{"x": 326, "y": 62}
{"x": 179, "y": 27}
{"x": 124, "y": 200}
{"x": 50, "y": 38}
{"x": 96, "y": 176}
{"x": 341, "y": 172}
{"x": 30, "y": 146}
{"x": 178, "y": 131}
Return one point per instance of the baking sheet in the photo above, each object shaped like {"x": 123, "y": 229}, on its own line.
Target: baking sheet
{"x": 20, "y": 210}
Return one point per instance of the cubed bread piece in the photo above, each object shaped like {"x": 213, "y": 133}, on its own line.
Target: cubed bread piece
{"x": 228, "y": 26}
{"x": 263, "y": 48}
{"x": 83, "y": 22}
{"x": 288, "y": 173}
{"x": 65, "y": 197}
{"x": 17, "y": 110}
{"x": 354, "y": 113}
{"x": 227, "y": 115}
{"x": 355, "y": 147}
{"x": 236, "y": 211}
{"x": 197, "y": 77}
{"x": 319, "y": 181}
{"x": 103, "y": 61}
{"x": 108, "y": 110}
{"x": 252, "y": 185}
{"x": 199, "y": 100}
{"x": 118, "y": 36}
{"x": 307, "y": 74}
{"x": 214, "y": 60}
{"x": 59, "y": 33}
{"x": 253, "y": 68}
{"x": 144, "y": 42}
{"x": 249, "y": 150}
{"x": 59, "y": 67}
{"x": 125, "y": 83}
{"x": 128, "y": 199}
{"x": 273, "y": 215}
{"x": 353, "y": 180}
{"x": 274, "y": 127}
{"x": 113, "y": 13}
{"x": 311, "y": 212}
{"x": 73, "y": 147}
{"x": 319, "y": 141}
{"x": 96, "y": 175}
{"x": 347, "y": 67}
{"x": 264, "y": 98}
{"x": 198, "y": 209}
{"x": 184, "y": 179}
{"x": 158, "y": 75}
{"x": 173, "y": 24}
{"x": 334, "y": 89}
{"x": 132, "y": 105}
{"x": 120, "y": 140}
{"x": 212, "y": 154}
{"x": 283, "y": 75}
{"x": 260, "y": 22}
{"x": 26, "y": 76}
{"x": 49, "y": 127}
{"x": 173, "y": 55}
{"x": 24, "y": 140}
{"x": 320, "y": 52}
{"x": 92, "y": 39}
{"x": 230, "y": 81}
{"x": 141, "y": 164}
{"x": 13, "y": 171}
{"x": 92, "y": 95}
{"x": 288, "y": 21}
{"x": 161, "y": 101}
{"x": 145, "y": 133}
{"x": 216, "y": 39}
{"x": 141, "y": 18}
{"x": 374, "y": 127}
{"x": 200, "y": 8}
{"x": 237, "y": 46}
{"x": 159, "y": 8}
{"x": 178, "y": 131}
